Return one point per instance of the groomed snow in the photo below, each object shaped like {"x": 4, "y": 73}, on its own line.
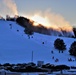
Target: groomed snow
{"x": 16, "y": 47}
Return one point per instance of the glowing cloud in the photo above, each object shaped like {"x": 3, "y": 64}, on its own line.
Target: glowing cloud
{"x": 41, "y": 20}
{"x": 8, "y": 7}
{"x": 50, "y": 20}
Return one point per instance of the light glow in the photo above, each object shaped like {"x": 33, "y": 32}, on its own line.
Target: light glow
{"x": 40, "y": 20}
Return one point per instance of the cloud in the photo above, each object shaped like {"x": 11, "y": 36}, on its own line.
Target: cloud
{"x": 55, "y": 20}
{"x": 8, "y": 7}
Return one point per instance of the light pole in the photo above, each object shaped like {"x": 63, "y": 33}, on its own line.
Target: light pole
{"x": 32, "y": 57}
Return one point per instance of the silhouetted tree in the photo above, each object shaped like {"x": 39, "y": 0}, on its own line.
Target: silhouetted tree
{"x": 22, "y": 21}
{"x": 72, "y": 49}
{"x": 28, "y": 32}
{"x": 74, "y": 30}
{"x": 59, "y": 44}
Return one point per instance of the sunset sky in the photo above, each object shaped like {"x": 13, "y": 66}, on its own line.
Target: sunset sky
{"x": 65, "y": 8}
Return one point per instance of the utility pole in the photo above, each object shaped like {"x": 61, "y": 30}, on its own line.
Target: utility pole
{"x": 32, "y": 57}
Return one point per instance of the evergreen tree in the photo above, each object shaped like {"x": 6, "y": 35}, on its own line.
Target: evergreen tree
{"x": 28, "y": 32}
{"x": 59, "y": 44}
{"x": 72, "y": 49}
{"x": 74, "y": 31}
{"x": 22, "y": 21}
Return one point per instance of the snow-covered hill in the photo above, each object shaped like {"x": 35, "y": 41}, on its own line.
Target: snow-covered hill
{"x": 16, "y": 47}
